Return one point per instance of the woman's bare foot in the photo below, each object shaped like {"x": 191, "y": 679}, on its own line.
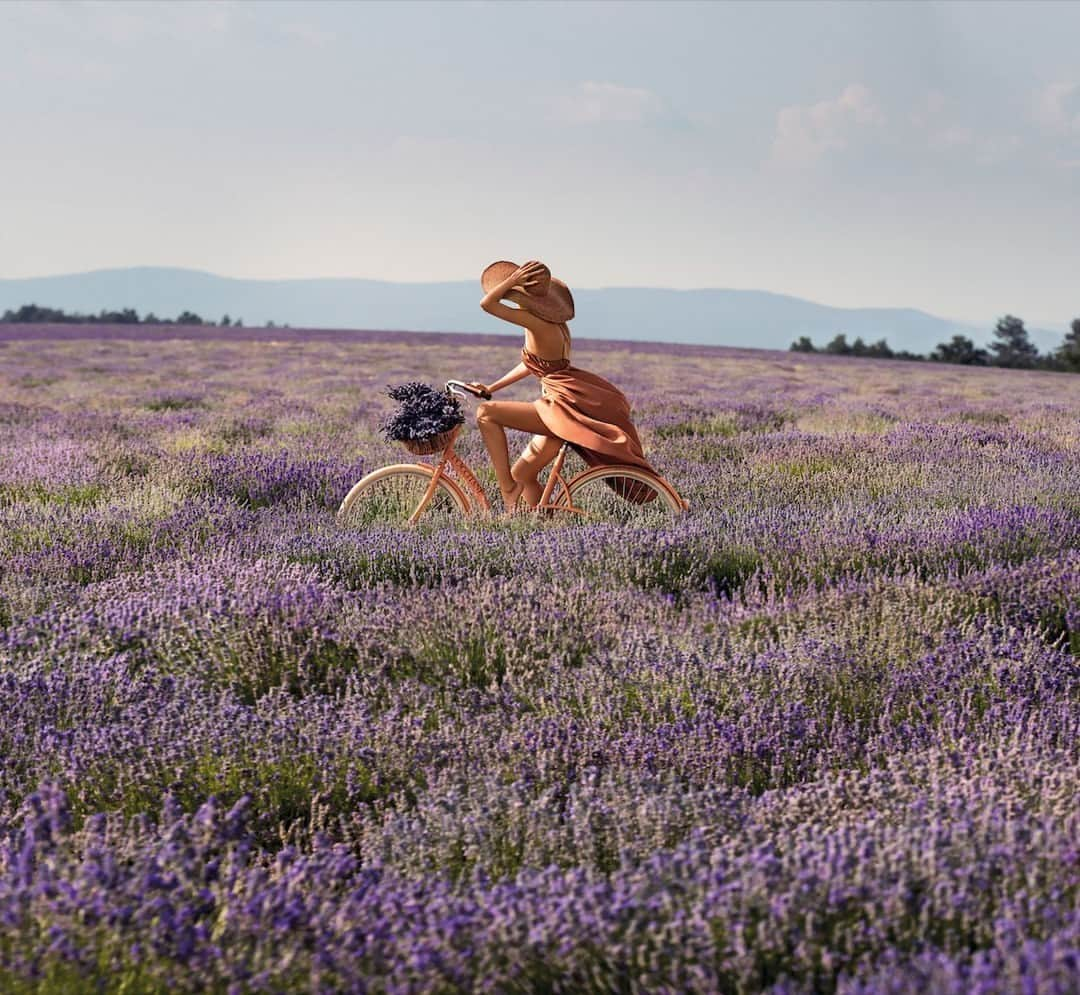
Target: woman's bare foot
{"x": 511, "y": 497}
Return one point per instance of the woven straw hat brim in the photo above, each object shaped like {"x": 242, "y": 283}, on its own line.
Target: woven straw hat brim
{"x": 556, "y": 305}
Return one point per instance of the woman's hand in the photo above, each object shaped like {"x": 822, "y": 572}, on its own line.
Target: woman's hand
{"x": 477, "y": 386}
{"x": 528, "y": 274}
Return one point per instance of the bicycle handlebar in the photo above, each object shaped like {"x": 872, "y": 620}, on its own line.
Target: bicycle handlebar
{"x": 456, "y": 386}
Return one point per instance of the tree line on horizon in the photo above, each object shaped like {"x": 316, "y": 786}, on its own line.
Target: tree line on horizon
{"x": 35, "y": 314}
{"x": 1012, "y": 348}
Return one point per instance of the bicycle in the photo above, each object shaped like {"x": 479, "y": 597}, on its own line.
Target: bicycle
{"x": 404, "y": 492}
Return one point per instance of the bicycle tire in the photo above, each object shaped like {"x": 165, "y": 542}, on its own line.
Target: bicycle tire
{"x": 391, "y": 494}
{"x": 596, "y": 495}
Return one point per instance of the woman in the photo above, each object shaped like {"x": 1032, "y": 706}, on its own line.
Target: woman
{"x": 575, "y": 406}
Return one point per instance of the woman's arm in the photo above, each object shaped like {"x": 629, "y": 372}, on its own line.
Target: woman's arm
{"x": 498, "y": 292}
{"x": 524, "y": 276}
{"x": 519, "y": 372}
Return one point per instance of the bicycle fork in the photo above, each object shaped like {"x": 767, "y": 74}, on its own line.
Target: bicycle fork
{"x": 429, "y": 493}
{"x": 451, "y": 460}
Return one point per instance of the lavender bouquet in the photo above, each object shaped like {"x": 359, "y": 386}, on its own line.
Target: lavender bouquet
{"x": 423, "y": 413}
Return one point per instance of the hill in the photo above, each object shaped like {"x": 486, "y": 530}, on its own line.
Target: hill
{"x": 713, "y": 316}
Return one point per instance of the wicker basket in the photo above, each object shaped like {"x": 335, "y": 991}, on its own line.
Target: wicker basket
{"x": 434, "y": 444}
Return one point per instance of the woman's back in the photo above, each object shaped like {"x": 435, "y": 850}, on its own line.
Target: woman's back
{"x": 548, "y": 341}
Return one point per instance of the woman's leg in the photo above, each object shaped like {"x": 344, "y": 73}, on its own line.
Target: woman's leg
{"x": 492, "y": 418}
{"x": 540, "y": 451}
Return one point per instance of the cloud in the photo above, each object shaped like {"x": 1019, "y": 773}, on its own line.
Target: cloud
{"x": 933, "y": 103}
{"x": 937, "y": 125}
{"x": 953, "y": 136}
{"x": 93, "y": 42}
{"x": 126, "y": 25}
{"x": 1057, "y": 108}
{"x": 997, "y": 148}
{"x": 434, "y": 146}
{"x": 806, "y": 133}
{"x": 982, "y": 149}
{"x": 309, "y": 34}
{"x": 594, "y": 101}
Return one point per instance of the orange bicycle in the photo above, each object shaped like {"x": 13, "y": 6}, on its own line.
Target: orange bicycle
{"x": 404, "y": 492}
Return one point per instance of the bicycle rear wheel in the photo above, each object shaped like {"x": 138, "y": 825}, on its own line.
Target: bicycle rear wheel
{"x": 623, "y": 494}
{"x": 393, "y": 494}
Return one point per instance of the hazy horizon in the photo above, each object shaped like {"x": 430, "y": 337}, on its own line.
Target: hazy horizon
{"x": 922, "y": 156}
{"x": 1061, "y": 326}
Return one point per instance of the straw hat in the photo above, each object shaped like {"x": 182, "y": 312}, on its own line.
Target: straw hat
{"x": 550, "y": 299}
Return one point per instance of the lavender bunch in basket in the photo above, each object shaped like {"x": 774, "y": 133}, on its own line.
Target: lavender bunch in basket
{"x": 423, "y": 413}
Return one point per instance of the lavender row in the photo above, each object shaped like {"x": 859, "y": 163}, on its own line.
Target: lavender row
{"x": 289, "y": 688}
{"x": 849, "y": 884}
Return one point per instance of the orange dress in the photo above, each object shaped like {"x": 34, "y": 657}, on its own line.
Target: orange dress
{"x": 591, "y": 414}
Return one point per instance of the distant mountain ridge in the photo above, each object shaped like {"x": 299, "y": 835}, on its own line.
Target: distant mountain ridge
{"x": 747, "y": 318}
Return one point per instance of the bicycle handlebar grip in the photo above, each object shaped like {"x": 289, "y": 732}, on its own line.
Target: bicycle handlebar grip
{"x": 485, "y": 394}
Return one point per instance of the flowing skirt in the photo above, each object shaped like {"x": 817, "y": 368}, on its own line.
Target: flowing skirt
{"x": 593, "y": 415}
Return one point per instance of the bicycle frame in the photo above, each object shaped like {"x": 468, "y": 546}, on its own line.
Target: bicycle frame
{"x": 451, "y": 461}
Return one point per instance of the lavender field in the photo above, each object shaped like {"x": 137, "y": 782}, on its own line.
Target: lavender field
{"x": 818, "y": 735}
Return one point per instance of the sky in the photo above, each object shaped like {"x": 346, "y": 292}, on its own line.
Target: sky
{"x": 918, "y": 154}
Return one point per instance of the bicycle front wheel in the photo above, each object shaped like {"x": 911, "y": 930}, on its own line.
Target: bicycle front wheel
{"x": 623, "y": 494}
{"x": 394, "y": 495}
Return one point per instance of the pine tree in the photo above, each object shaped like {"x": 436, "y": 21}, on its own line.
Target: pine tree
{"x": 960, "y": 350}
{"x": 1013, "y": 347}
{"x": 1068, "y": 353}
